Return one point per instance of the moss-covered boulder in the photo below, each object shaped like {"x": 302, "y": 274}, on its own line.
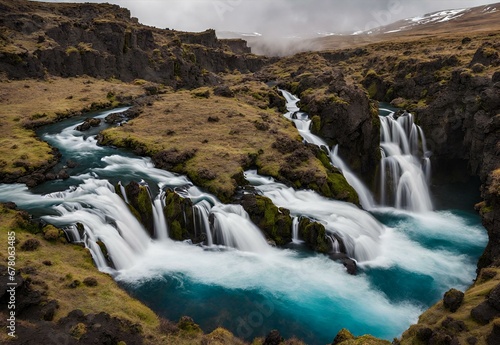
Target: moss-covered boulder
{"x": 314, "y": 235}
{"x": 140, "y": 205}
{"x": 51, "y": 233}
{"x": 275, "y": 223}
{"x": 179, "y": 215}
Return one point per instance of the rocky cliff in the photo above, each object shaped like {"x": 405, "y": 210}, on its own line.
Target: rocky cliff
{"x": 103, "y": 41}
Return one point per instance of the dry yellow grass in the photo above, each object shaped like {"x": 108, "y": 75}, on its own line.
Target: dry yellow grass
{"x": 475, "y": 295}
{"x": 223, "y": 131}
{"x": 72, "y": 262}
{"x": 27, "y": 102}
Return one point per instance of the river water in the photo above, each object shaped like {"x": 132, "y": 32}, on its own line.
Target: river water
{"x": 406, "y": 259}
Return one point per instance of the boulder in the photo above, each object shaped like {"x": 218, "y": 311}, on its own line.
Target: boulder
{"x": 88, "y": 123}
{"x": 273, "y": 338}
{"x": 453, "y": 299}
{"x": 494, "y": 297}
{"x": 314, "y": 235}
{"x": 141, "y": 205}
{"x": 484, "y": 313}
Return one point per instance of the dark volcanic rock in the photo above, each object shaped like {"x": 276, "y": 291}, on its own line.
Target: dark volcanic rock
{"x": 179, "y": 215}
{"x": 140, "y": 204}
{"x": 273, "y": 338}
{"x": 30, "y": 244}
{"x": 88, "y": 123}
{"x": 484, "y": 313}
{"x": 314, "y": 235}
{"x": 494, "y": 297}
{"x": 494, "y": 337}
{"x": 349, "y": 264}
{"x": 452, "y": 299}
{"x": 223, "y": 90}
{"x": 102, "y": 40}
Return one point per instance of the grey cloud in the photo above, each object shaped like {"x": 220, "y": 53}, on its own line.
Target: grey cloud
{"x": 282, "y": 17}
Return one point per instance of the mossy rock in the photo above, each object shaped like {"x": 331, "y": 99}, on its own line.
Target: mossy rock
{"x": 187, "y": 325}
{"x": 179, "y": 216}
{"x": 275, "y": 223}
{"x": 140, "y": 205}
{"x": 314, "y": 235}
{"x": 338, "y": 188}
{"x": 51, "y": 233}
{"x": 342, "y": 335}
{"x": 315, "y": 124}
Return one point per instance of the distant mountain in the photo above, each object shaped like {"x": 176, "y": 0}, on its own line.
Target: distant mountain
{"x": 464, "y": 19}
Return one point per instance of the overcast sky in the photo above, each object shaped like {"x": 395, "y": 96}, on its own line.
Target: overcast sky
{"x": 281, "y": 17}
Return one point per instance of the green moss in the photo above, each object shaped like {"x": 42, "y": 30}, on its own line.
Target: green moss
{"x": 334, "y": 98}
{"x": 71, "y": 50}
{"x": 324, "y": 159}
{"x": 51, "y": 233}
{"x": 175, "y": 231}
{"x": 372, "y": 90}
{"x": 371, "y": 73}
{"x": 389, "y": 95}
{"x": 314, "y": 235}
{"x": 179, "y": 214}
{"x": 340, "y": 189}
{"x": 316, "y": 124}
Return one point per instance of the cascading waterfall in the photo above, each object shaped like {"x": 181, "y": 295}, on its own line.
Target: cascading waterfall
{"x": 307, "y": 287}
{"x": 405, "y": 165}
{"x": 235, "y": 230}
{"x": 160, "y": 223}
{"x": 358, "y": 230}
{"x": 364, "y": 194}
{"x": 303, "y": 125}
{"x": 201, "y": 214}
{"x": 295, "y": 230}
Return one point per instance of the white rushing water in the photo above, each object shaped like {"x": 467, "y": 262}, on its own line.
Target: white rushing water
{"x": 303, "y": 125}
{"x": 236, "y": 255}
{"x": 405, "y": 165}
{"x": 373, "y": 244}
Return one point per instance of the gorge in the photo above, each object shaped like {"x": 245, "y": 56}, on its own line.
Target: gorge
{"x": 207, "y": 190}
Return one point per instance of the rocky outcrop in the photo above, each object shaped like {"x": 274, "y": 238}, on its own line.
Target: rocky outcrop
{"x": 140, "y": 204}
{"x": 314, "y": 235}
{"x": 342, "y": 113}
{"x": 237, "y": 45}
{"x": 275, "y": 223}
{"x": 179, "y": 216}
{"x": 104, "y": 41}
{"x": 88, "y": 123}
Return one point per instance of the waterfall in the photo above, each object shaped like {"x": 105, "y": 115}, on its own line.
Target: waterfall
{"x": 106, "y": 218}
{"x": 160, "y": 223}
{"x": 122, "y": 190}
{"x": 405, "y": 166}
{"x": 365, "y": 196}
{"x": 295, "y": 230}
{"x": 359, "y": 231}
{"x": 233, "y": 228}
{"x": 201, "y": 214}
{"x": 303, "y": 124}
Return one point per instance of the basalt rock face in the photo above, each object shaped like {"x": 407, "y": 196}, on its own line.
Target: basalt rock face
{"x": 104, "y": 41}
{"x": 342, "y": 113}
{"x": 457, "y": 103}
